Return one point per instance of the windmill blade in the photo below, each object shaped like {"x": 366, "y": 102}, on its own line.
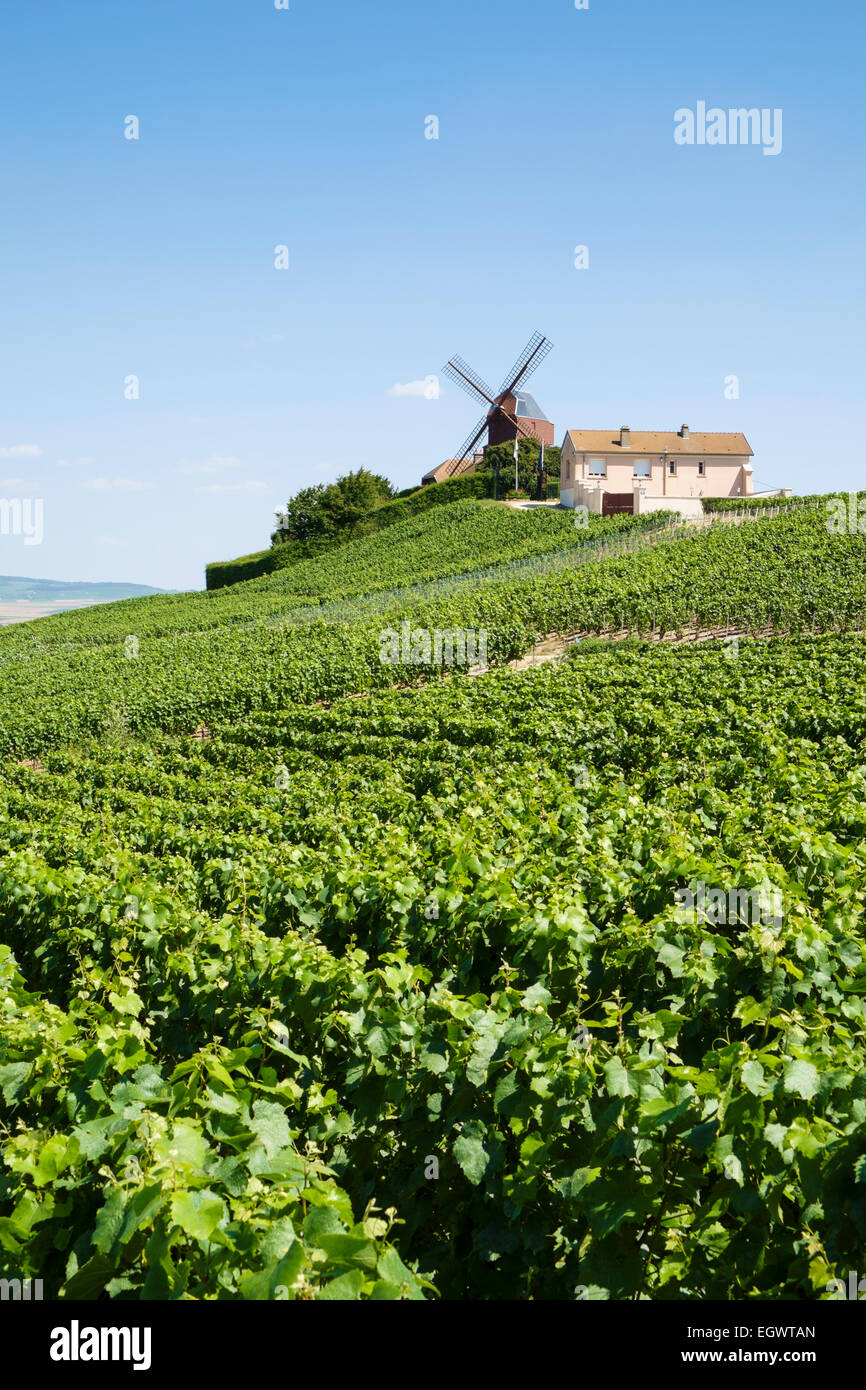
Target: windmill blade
{"x": 465, "y": 376}
{"x": 484, "y": 424}
{"x": 519, "y": 425}
{"x": 531, "y": 357}
{"x": 526, "y": 431}
{"x": 473, "y": 439}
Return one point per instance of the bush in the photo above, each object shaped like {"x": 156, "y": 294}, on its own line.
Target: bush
{"x": 318, "y": 515}
{"x": 527, "y": 475}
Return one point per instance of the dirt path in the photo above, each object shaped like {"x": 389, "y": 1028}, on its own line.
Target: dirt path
{"x": 554, "y": 648}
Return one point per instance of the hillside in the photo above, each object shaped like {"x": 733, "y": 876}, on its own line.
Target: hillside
{"x": 328, "y": 977}
{"x": 416, "y": 502}
{"x": 21, "y": 600}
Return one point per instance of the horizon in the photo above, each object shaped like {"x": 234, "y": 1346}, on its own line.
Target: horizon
{"x": 278, "y": 238}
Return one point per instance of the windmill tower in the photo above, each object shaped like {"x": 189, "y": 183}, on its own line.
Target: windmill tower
{"x": 510, "y": 414}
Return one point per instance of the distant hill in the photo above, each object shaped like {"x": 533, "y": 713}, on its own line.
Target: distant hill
{"x": 23, "y": 599}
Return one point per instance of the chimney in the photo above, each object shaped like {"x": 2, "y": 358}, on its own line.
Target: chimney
{"x": 685, "y": 431}
{"x": 625, "y": 437}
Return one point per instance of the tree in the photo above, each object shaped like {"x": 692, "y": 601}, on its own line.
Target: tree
{"x": 316, "y": 514}
{"x": 301, "y": 519}
{"x": 527, "y": 466}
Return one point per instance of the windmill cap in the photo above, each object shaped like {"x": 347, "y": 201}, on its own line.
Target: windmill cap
{"x": 528, "y": 407}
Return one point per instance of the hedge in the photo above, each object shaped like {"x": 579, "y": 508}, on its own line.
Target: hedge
{"x": 757, "y": 504}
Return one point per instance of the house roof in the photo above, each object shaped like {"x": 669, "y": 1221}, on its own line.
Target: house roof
{"x": 656, "y": 441}
{"x": 451, "y": 468}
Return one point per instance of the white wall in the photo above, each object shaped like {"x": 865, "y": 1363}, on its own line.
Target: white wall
{"x": 686, "y": 506}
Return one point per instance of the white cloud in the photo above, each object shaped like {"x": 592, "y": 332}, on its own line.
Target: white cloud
{"x": 122, "y": 484}
{"x": 428, "y": 389}
{"x": 234, "y": 487}
{"x": 215, "y": 464}
{"x": 21, "y": 451}
{"x": 73, "y": 463}
{"x": 108, "y": 540}
{"x": 14, "y": 482}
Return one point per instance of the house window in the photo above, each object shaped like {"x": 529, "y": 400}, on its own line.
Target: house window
{"x": 701, "y": 471}
{"x": 597, "y": 468}
{"x": 672, "y": 467}
{"x": 641, "y": 468}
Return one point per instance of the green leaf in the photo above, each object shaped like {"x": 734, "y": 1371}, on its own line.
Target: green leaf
{"x": 753, "y": 1078}
{"x": 801, "y": 1078}
{"x": 672, "y": 957}
{"x": 319, "y": 1222}
{"x": 90, "y": 1280}
{"x": 434, "y": 1058}
{"x": 733, "y": 1168}
{"x": 186, "y": 1145}
{"x": 617, "y": 1078}
{"x": 349, "y": 1249}
{"x": 573, "y": 1184}
{"x": 197, "y": 1213}
{"x": 394, "y": 1271}
{"x": 536, "y": 997}
{"x": 93, "y": 1136}
{"x": 141, "y": 1210}
{"x": 12, "y": 1079}
{"x": 776, "y": 1135}
{"x": 609, "y": 1214}
{"x": 505, "y": 1088}
{"x": 383, "y": 1290}
{"x": 472, "y": 1157}
{"x": 270, "y": 1126}
{"x": 288, "y": 1270}
{"x": 345, "y": 1288}
{"x": 109, "y": 1221}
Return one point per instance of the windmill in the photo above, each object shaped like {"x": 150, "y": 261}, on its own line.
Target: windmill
{"x": 506, "y": 417}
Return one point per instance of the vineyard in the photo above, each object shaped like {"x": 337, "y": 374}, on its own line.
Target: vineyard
{"x": 327, "y": 978}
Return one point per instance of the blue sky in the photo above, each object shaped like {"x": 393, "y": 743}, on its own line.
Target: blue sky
{"x": 306, "y": 128}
